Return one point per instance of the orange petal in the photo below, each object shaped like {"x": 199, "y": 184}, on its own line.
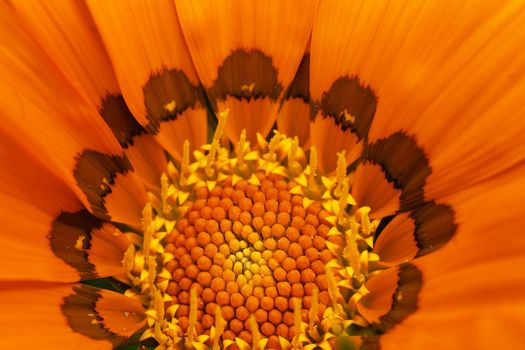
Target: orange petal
{"x": 31, "y": 197}
{"x": 95, "y": 249}
{"x": 329, "y": 139}
{"x": 256, "y": 50}
{"x": 371, "y": 188}
{"x": 393, "y": 296}
{"x": 45, "y": 112}
{"x": 51, "y": 316}
{"x": 450, "y": 73}
{"x": 475, "y": 282}
{"x": 396, "y": 243}
{"x": 293, "y": 118}
{"x": 144, "y": 153}
{"x": 404, "y": 163}
{"x": 113, "y": 190}
{"x": 159, "y": 83}
{"x": 337, "y": 94}
{"x": 66, "y": 32}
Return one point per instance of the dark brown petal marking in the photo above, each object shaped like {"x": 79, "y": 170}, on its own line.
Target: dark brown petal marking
{"x": 351, "y": 104}
{"x": 95, "y": 173}
{"x": 82, "y": 316}
{"x": 124, "y": 126}
{"x": 405, "y": 165}
{"x": 405, "y": 298}
{"x": 67, "y": 232}
{"x": 435, "y": 226}
{"x": 300, "y": 84}
{"x": 165, "y": 87}
{"x": 246, "y": 75}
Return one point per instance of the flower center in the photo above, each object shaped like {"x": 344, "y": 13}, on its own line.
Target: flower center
{"x": 253, "y": 246}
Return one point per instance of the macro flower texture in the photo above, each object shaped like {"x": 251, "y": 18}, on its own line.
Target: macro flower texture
{"x": 253, "y": 175}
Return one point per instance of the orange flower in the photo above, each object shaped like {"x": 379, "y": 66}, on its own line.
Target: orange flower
{"x": 250, "y": 175}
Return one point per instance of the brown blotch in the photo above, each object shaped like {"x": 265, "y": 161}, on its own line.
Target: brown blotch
{"x": 300, "y": 86}
{"x": 351, "y": 104}
{"x": 66, "y": 231}
{"x": 95, "y": 173}
{"x": 435, "y": 226}
{"x": 246, "y": 75}
{"x": 116, "y": 114}
{"x": 405, "y": 297}
{"x": 80, "y": 311}
{"x": 404, "y": 163}
{"x": 165, "y": 87}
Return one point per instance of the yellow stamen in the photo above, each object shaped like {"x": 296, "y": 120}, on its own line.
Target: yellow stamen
{"x": 297, "y": 322}
{"x": 147, "y": 228}
{"x": 166, "y": 208}
{"x": 343, "y": 200}
{"x": 129, "y": 262}
{"x": 351, "y": 251}
{"x": 185, "y": 164}
{"x": 220, "y": 324}
{"x": 210, "y": 160}
{"x": 152, "y": 274}
{"x": 333, "y": 291}
{"x": 273, "y": 145}
{"x": 192, "y": 319}
{"x": 313, "y": 165}
{"x": 159, "y": 305}
{"x": 256, "y": 335}
{"x": 293, "y": 152}
{"x": 240, "y": 149}
{"x": 314, "y": 310}
{"x": 365, "y": 220}
{"x": 340, "y": 172}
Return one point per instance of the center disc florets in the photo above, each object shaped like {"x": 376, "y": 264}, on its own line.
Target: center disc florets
{"x": 250, "y": 249}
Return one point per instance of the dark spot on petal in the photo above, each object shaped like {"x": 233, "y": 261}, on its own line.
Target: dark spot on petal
{"x": 351, "y": 104}
{"x": 404, "y": 163}
{"x": 124, "y": 126}
{"x": 246, "y": 75}
{"x": 405, "y": 297}
{"x": 82, "y": 316}
{"x": 70, "y": 239}
{"x": 435, "y": 226}
{"x": 169, "y": 93}
{"x": 95, "y": 173}
{"x": 300, "y": 86}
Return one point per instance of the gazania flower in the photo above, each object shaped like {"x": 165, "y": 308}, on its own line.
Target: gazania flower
{"x": 262, "y": 175}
